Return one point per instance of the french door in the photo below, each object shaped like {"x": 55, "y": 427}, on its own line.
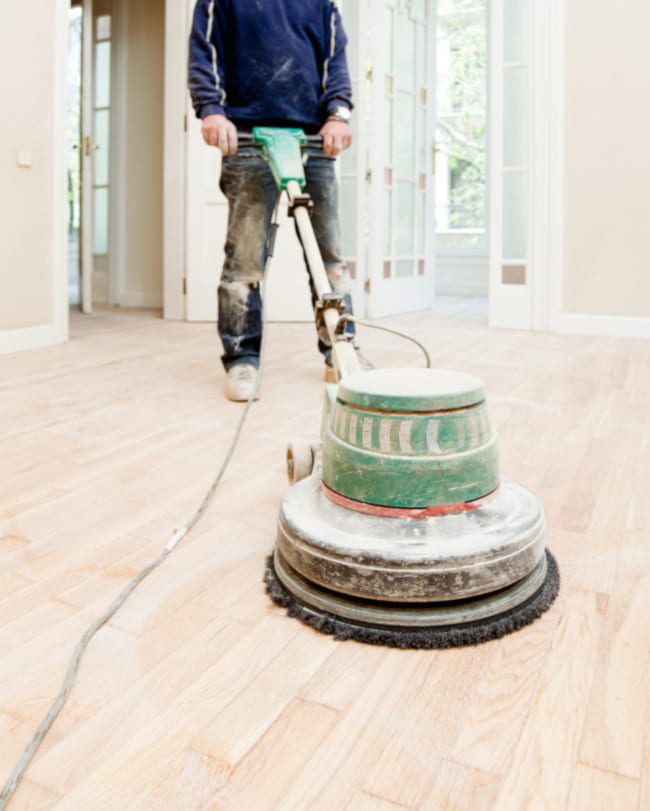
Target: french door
{"x": 400, "y": 159}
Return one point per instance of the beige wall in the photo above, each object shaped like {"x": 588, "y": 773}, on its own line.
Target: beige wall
{"x": 26, "y": 195}
{"x": 143, "y": 197}
{"x": 607, "y": 158}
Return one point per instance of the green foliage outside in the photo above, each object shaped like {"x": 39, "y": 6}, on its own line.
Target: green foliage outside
{"x": 462, "y": 111}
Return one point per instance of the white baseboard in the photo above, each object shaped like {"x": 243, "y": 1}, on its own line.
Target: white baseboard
{"x": 20, "y": 340}
{"x": 610, "y": 326}
{"x": 134, "y": 298}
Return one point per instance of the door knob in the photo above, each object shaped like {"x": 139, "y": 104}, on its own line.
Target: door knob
{"x": 88, "y": 146}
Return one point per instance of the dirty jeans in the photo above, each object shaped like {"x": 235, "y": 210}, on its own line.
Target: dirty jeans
{"x": 248, "y": 184}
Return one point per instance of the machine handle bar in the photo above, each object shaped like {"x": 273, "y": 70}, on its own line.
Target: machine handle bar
{"x": 247, "y": 139}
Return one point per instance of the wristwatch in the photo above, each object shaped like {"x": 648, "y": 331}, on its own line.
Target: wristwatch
{"x": 339, "y": 113}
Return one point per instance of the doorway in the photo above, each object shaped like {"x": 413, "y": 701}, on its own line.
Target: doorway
{"x": 115, "y": 153}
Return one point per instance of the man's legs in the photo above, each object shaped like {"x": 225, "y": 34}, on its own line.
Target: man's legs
{"x": 248, "y": 184}
{"x": 322, "y": 187}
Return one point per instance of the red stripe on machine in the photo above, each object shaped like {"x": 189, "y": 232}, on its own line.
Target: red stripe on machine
{"x": 406, "y": 512}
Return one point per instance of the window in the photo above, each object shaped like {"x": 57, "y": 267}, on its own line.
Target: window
{"x": 461, "y": 89}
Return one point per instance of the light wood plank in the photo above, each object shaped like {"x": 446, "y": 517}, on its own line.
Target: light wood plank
{"x": 459, "y": 787}
{"x": 644, "y": 789}
{"x": 88, "y": 746}
{"x": 260, "y": 780}
{"x": 362, "y": 801}
{"x": 109, "y": 443}
{"x": 547, "y": 752}
{"x": 260, "y": 703}
{"x": 499, "y": 708}
{"x": 144, "y": 760}
{"x": 419, "y": 732}
{"x": 342, "y": 677}
{"x": 602, "y": 791}
{"x": 615, "y": 727}
{"x": 340, "y": 764}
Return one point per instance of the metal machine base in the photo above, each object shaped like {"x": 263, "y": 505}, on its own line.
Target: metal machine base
{"x": 438, "y": 558}
{"x": 417, "y": 577}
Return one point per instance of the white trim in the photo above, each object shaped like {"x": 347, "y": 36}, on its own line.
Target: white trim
{"x": 495, "y": 157}
{"x": 360, "y": 91}
{"x": 20, "y": 340}
{"x": 610, "y": 326}
{"x": 556, "y": 129}
{"x": 539, "y": 164}
{"x": 118, "y": 150}
{"x": 431, "y": 125}
{"x": 547, "y": 162}
{"x": 174, "y": 191}
{"x": 139, "y": 298}
{"x": 60, "y": 312}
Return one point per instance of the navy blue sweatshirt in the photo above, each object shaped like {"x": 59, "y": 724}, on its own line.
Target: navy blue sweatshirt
{"x": 272, "y": 62}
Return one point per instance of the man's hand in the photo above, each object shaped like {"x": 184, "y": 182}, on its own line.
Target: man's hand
{"x": 218, "y": 131}
{"x": 337, "y": 136}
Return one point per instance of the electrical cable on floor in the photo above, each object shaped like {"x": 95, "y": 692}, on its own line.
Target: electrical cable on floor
{"x": 344, "y": 318}
{"x": 176, "y": 537}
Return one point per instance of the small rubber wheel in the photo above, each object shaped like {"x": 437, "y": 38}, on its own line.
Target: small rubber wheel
{"x": 300, "y": 461}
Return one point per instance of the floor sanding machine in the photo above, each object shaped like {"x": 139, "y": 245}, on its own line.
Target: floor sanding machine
{"x": 398, "y": 528}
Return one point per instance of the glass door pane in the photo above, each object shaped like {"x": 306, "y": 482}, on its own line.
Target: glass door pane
{"x": 461, "y": 136}
{"x": 401, "y": 227}
{"x": 73, "y": 137}
{"x": 101, "y": 141}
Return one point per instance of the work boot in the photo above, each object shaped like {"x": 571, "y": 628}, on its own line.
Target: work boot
{"x": 240, "y": 382}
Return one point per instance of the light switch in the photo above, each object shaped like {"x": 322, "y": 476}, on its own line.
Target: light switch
{"x": 24, "y": 159}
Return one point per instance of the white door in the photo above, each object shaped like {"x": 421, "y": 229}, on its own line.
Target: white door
{"x": 401, "y": 188}
{"x": 287, "y": 289}
{"x": 207, "y": 218}
{"x": 511, "y": 286}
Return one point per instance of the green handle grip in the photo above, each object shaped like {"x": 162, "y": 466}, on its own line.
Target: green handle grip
{"x": 282, "y": 148}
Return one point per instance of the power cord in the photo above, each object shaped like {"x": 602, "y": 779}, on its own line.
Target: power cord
{"x": 344, "y": 318}
{"x": 176, "y": 537}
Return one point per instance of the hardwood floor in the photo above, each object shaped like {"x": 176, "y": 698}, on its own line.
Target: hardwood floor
{"x": 200, "y": 694}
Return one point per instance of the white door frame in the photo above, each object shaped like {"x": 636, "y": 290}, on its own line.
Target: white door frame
{"x": 175, "y": 128}
{"x": 553, "y": 300}
{"x": 60, "y": 309}
{"x": 118, "y": 151}
{"x": 547, "y": 163}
